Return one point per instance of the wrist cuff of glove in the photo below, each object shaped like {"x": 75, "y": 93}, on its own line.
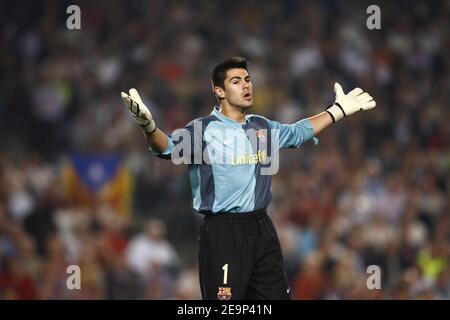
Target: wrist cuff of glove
{"x": 336, "y": 112}
{"x": 150, "y": 128}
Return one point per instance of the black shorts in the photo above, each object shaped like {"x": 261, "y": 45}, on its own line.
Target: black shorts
{"x": 240, "y": 258}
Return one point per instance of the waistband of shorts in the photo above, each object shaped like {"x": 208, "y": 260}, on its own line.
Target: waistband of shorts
{"x": 260, "y": 213}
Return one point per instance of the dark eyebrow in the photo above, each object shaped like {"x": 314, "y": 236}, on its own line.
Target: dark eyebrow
{"x": 236, "y": 77}
{"x": 239, "y": 78}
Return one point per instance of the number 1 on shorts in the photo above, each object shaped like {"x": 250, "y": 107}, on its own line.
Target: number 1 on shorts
{"x": 225, "y": 273}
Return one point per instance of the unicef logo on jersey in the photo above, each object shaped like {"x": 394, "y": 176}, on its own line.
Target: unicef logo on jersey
{"x": 259, "y": 157}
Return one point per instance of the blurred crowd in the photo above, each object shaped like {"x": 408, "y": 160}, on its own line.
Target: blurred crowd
{"x": 374, "y": 191}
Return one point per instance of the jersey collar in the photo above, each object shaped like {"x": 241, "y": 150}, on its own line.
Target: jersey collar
{"x": 228, "y": 120}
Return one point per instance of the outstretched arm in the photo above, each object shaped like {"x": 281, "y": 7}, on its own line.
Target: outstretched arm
{"x": 320, "y": 121}
{"x": 345, "y": 105}
{"x": 156, "y": 139}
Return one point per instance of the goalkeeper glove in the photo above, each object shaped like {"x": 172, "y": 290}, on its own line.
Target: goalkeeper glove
{"x": 139, "y": 111}
{"x": 347, "y": 104}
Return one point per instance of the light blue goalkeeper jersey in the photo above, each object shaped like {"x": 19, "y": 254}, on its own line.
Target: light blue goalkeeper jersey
{"x": 229, "y": 162}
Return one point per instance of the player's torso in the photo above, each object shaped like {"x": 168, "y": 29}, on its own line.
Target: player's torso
{"x": 232, "y": 159}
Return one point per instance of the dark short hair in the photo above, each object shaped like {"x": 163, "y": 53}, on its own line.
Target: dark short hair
{"x": 219, "y": 72}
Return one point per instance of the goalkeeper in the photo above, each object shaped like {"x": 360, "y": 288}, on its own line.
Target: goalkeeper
{"x": 239, "y": 251}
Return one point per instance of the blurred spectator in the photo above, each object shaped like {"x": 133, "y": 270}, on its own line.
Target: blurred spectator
{"x": 151, "y": 256}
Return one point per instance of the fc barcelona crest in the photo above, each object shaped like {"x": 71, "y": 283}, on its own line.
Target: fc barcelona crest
{"x": 261, "y": 136}
{"x": 224, "y": 293}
